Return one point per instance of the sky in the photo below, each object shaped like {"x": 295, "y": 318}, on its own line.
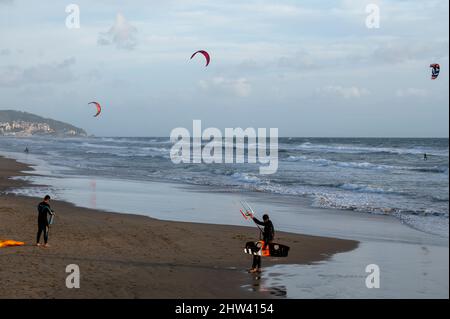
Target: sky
{"x": 309, "y": 68}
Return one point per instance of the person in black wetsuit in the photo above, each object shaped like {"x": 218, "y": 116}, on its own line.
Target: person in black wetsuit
{"x": 43, "y": 211}
{"x": 268, "y": 235}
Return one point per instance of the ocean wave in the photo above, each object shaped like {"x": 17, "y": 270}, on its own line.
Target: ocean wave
{"x": 246, "y": 178}
{"x": 427, "y": 220}
{"x": 327, "y": 162}
{"x": 131, "y": 140}
{"x": 434, "y": 169}
{"x": 157, "y": 149}
{"x": 365, "y": 165}
{"x": 122, "y": 151}
{"x": 161, "y": 155}
{"x": 434, "y": 224}
{"x": 366, "y": 188}
{"x": 342, "y": 148}
{"x": 368, "y": 205}
{"x": 93, "y": 145}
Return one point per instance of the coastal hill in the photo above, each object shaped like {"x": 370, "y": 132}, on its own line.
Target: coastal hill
{"x": 16, "y": 123}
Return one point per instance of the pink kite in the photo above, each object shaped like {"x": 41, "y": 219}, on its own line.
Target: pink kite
{"x": 99, "y": 108}
{"x": 205, "y": 54}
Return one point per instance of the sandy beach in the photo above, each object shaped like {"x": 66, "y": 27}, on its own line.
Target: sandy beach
{"x": 129, "y": 256}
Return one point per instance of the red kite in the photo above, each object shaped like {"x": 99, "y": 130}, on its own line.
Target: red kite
{"x": 99, "y": 108}
{"x": 205, "y": 54}
{"x": 435, "y": 68}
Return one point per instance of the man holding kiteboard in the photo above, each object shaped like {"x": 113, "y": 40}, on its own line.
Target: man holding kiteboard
{"x": 268, "y": 235}
{"x": 43, "y": 223}
{"x": 264, "y": 247}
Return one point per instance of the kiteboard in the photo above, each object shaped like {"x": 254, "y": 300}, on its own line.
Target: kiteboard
{"x": 257, "y": 248}
{"x": 10, "y": 243}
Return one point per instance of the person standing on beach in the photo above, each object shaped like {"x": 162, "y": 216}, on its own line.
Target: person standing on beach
{"x": 268, "y": 235}
{"x": 43, "y": 211}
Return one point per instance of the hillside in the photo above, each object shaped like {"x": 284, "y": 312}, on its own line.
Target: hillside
{"x": 16, "y": 123}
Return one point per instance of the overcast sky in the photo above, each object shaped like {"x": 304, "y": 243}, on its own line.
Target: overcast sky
{"x": 309, "y": 68}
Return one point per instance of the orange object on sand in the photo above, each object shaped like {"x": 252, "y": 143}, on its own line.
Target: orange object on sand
{"x": 10, "y": 243}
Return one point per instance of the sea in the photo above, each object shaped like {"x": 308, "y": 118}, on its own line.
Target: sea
{"x": 383, "y": 176}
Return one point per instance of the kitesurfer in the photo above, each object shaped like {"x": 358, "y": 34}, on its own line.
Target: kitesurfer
{"x": 43, "y": 211}
{"x": 26, "y": 150}
{"x": 425, "y": 157}
{"x": 268, "y": 233}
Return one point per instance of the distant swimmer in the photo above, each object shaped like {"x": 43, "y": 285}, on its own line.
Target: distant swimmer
{"x": 425, "y": 157}
{"x": 43, "y": 223}
{"x": 26, "y": 150}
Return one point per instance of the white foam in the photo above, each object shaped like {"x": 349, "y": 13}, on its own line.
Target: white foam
{"x": 340, "y": 148}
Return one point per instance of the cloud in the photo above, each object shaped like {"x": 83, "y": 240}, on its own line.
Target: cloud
{"x": 122, "y": 34}
{"x": 295, "y": 61}
{"x": 279, "y": 10}
{"x": 326, "y": 55}
{"x": 411, "y": 92}
{"x": 301, "y": 60}
{"x": 345, "y": 92}
{"x": 43, "y": 73}
{"x": 5, "y": 52}
{"x": 395, "y": 52}
{"x": 240, "y": 87}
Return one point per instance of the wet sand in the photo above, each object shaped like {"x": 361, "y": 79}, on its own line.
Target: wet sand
{"x": 130, "y": 256}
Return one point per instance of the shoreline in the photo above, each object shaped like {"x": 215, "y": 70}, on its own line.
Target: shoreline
{"x": 131, "y": 256}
